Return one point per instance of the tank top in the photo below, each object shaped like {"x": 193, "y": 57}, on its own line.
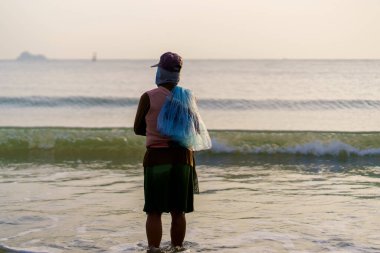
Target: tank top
{"x": 157, "y": 99}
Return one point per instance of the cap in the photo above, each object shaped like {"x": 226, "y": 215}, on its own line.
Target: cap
{"x": 170, "y": 61}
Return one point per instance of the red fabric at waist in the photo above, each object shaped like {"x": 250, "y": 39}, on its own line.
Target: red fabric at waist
{"x": 170, "y": 155}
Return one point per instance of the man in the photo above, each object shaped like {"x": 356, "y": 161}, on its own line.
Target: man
{"x": 169, "y": 167}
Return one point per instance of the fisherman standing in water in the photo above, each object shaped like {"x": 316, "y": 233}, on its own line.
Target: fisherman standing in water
{"x": 169, "y": 118}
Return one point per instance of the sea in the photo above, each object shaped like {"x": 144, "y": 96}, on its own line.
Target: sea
{"x": 294, "y": 166}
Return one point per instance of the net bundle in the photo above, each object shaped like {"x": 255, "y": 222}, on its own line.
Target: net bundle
{"x": 180, "y": 120}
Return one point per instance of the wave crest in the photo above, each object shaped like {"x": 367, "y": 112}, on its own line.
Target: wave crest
{"x": 315, "y": 148}
{"x": 122, "y": 143}
{"x": 212, "y": 104}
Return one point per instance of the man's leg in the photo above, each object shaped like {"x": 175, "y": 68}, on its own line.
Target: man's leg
{"x": 178, "y": 228}
{"x": 154, "y": 229}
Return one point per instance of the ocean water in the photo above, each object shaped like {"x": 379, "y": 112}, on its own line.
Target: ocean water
{"x": 295, "y": 163}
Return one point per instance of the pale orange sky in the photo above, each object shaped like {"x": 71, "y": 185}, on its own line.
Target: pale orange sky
{"x": 201, "y": 29}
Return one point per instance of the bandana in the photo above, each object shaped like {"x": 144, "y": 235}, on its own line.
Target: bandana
{"x": 164, "y": 76}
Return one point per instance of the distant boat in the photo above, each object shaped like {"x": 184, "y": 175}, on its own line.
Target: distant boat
{"x": 94, "y": 58}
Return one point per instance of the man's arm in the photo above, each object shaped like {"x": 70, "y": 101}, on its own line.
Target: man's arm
{"x": 142, "y": 110}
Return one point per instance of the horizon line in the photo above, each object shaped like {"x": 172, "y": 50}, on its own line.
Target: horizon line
{"x": 197, "y": 59}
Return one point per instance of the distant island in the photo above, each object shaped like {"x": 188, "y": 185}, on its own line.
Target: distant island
{"x": 26, "y": 56}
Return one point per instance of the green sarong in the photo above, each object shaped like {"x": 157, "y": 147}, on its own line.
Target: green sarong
{"x": 169, "y": 187}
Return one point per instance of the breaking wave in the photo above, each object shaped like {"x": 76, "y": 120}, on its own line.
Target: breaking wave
{"x": 122, "y": 144}
{"x": 216, "y": 104}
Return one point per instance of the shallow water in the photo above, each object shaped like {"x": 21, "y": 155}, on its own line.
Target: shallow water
{"x": 304, "y": 176}
{"x": 258, "y": 207}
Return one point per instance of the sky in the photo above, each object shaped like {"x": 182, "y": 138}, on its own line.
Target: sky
{"x": 196, "y": 29}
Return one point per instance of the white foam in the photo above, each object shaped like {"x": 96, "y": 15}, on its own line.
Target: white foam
{"x": 316, "y": 148}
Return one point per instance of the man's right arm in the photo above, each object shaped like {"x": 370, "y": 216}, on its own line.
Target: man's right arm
{"x": 143, "y": 108}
